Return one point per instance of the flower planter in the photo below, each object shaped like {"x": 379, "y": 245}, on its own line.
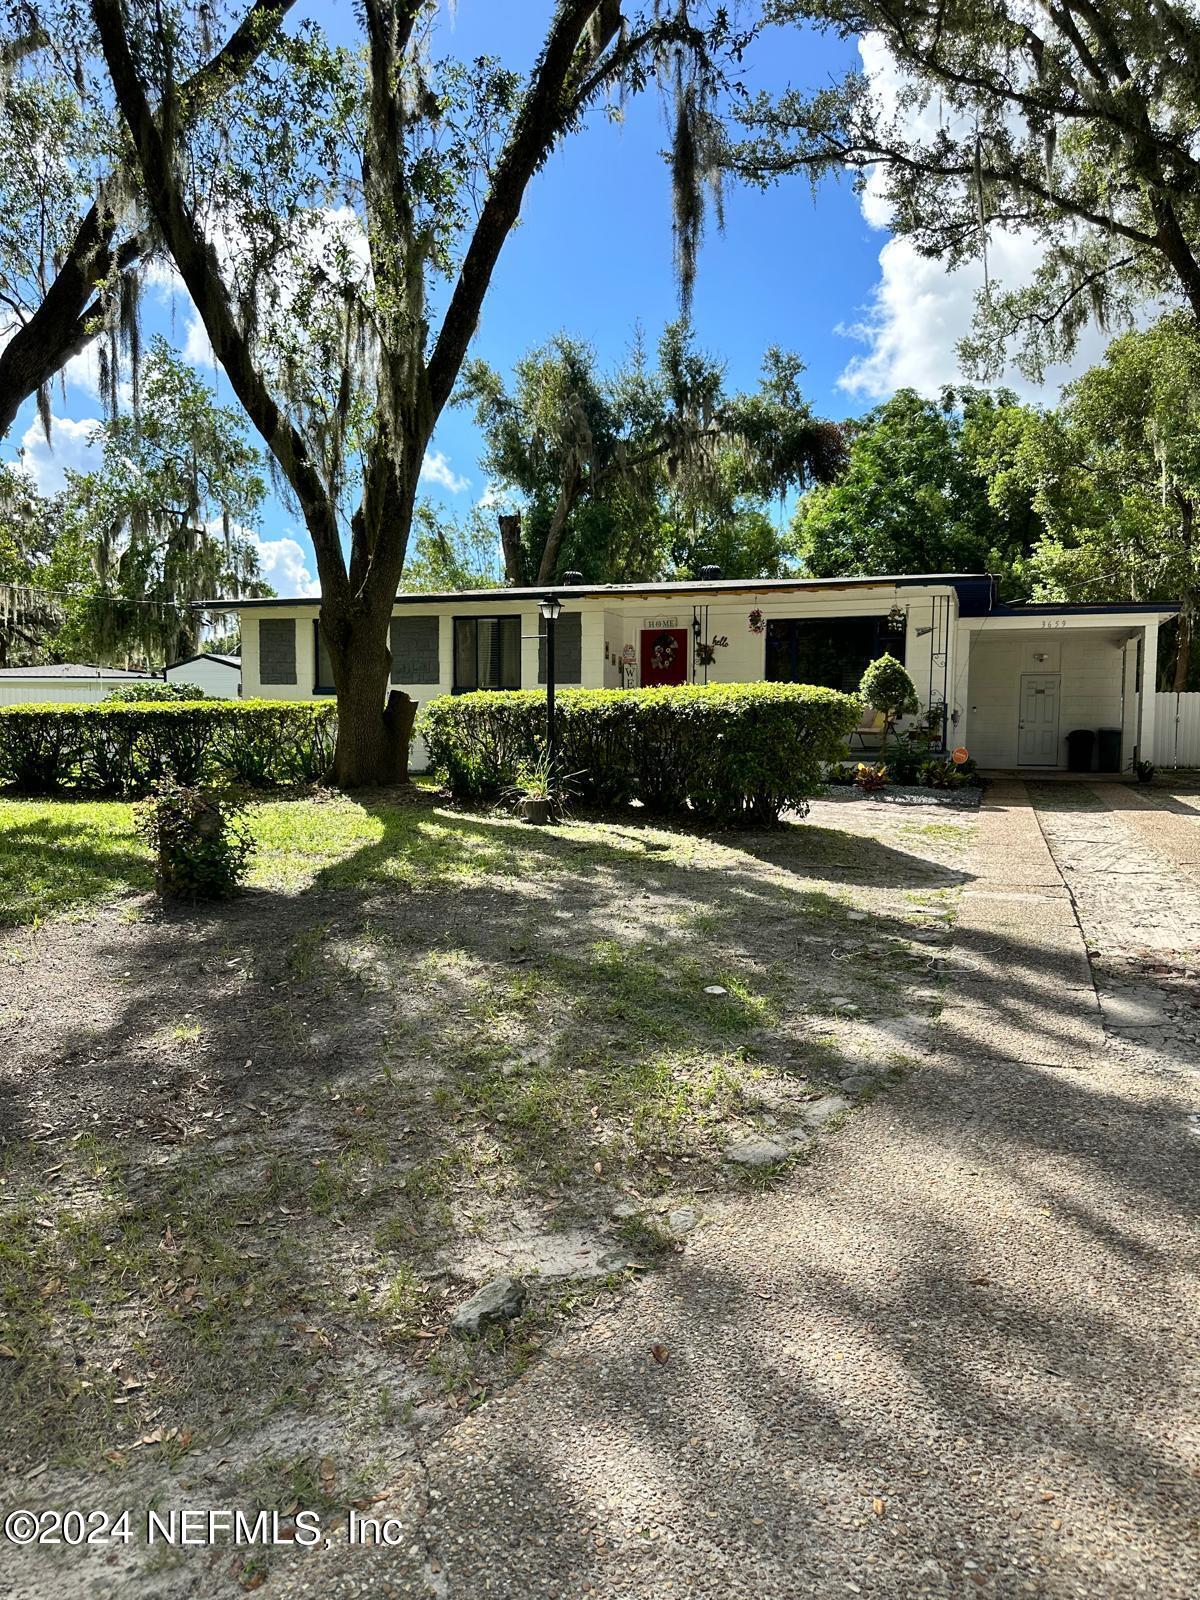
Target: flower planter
{"x": 535, "y": 810}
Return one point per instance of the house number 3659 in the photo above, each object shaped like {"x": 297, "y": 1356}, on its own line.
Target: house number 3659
{"x": 1054, "y": 622}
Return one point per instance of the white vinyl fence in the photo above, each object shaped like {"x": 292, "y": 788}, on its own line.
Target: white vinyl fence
{"x": 1177, "y": 730}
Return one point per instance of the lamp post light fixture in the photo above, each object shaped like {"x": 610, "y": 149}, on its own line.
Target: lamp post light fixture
{"x": 550, "y": 606}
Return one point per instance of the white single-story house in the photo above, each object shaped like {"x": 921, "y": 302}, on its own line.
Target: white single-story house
{"x": 218, "y": 676}
{"x": 1011, "y": 681}
{"x": 68, "y": 683}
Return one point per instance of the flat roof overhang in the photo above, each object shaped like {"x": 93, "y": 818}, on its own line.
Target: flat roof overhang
{"x": 972, "y": 583}
{"x": 1040, "y": 618}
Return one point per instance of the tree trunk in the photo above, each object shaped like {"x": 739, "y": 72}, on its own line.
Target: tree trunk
{"x": 567, "y": 495}
{"x": 1183, "y": 646}
{"x": 374, "y": 726}
{"x": 510, "y": 544}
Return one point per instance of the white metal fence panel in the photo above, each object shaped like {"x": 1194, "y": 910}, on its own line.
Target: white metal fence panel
{"x": 1177, "y": 730}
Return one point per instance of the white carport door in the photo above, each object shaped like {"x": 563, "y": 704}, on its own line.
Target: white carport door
{"x": 1037, "y": 742}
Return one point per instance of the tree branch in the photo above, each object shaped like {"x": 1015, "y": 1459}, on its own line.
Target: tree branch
{"x": 201, "y": 272}
{"x": 58, "y": 329}
{"x": 543, "y": 115}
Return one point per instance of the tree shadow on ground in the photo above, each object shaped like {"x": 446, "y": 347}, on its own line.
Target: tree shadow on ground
{"x": 336, "y": 1140}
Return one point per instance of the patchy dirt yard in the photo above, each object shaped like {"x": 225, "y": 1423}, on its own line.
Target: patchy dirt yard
{"x": 253, "y": 1158}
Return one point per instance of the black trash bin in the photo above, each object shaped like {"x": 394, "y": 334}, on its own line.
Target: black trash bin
{"x": 1079, "y": 749}
{"x": 1109, "y": 752}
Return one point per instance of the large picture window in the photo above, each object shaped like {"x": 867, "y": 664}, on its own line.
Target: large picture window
{"x": 487, "y": 653}
{"x": 830, "y": 651}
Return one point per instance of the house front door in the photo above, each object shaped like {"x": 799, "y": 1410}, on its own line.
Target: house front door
{"x": 664, "y": 656}
{"x": 1037, "y": 735}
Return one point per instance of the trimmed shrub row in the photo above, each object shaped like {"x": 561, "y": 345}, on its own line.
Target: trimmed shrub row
{"x": 732, "y": 753}
{"x": 129, "y": 749}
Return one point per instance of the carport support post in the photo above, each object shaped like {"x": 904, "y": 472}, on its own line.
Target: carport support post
{"x": 1148, "y": 688}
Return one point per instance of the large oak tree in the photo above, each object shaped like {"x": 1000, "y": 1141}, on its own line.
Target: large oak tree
{"x": 341, "y": 265}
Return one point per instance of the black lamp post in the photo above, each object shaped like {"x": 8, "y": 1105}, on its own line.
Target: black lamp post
{"x": 550, "y": 607}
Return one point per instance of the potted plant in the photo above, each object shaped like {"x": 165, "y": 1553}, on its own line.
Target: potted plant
{"x": 534, "y": 789}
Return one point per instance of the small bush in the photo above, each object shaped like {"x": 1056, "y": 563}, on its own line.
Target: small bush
{"x": 201, "y": 843}
{"x": 129, "y": 748}
{"x": 905, "y": 760}
{"x": 730, "y": 753}
{"x": 940, "y": 772}
{"x": 870, "y": 777}
{"x": 151, "y": 693}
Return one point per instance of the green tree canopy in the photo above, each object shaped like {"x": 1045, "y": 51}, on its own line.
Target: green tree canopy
{"x": 1073, "y": 122}
{"x": 448, "y": 553}
{"x": 30, "y": 526}
{"x": 75, "y": 237}
{"x": 1115, "y": 473}
{"x": 649, "y": 471}
{"x": 108, "y": 569}
{"x": 163, "y": 520}
{"x": 915, "y": 496}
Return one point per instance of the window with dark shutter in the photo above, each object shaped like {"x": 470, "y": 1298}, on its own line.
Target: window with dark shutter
{"x": 414, "y": 644}
{"x": 568, "y": 649}
{"x": 276, "y": 650}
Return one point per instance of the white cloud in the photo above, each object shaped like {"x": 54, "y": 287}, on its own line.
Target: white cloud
{"x": 919, "y": 312}
{"x": 71, "y": 446}
{"x": 436, "y": 469}
{"x": 197, "y": 347}
{"x": 497, "y": 498}
{"x": 285, "y": 566}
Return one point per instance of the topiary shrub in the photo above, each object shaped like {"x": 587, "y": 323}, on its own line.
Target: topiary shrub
{"x": 887, "y": 688}
{"x": 730, "y": 753}
{"x": 201, "y": 843}
{"x": 128, "y": 749}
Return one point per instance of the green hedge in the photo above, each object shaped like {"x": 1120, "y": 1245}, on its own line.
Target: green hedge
{"x": 128, "y": 749}
{"x": 738, "y": 752}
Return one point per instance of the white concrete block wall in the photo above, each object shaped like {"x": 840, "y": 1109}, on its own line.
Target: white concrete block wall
{"x": 217, "y": 679}
{"x": 22, "y": 690}
{"x": 615, "y": 623}
{"x": 1089, "y": 662}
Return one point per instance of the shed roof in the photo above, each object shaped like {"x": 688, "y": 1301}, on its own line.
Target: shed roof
{"x": 74, "y": 669}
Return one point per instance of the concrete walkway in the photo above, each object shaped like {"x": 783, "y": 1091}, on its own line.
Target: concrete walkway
{"x": 954, "y": 1355}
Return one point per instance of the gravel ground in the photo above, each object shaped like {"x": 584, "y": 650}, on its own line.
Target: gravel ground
{"x": 952, "y": 1356}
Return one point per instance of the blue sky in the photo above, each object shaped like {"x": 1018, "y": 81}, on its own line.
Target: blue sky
{"x": 593, "y": 256}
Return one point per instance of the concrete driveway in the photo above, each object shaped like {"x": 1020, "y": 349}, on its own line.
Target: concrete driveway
{"x": 954, "y": 1354}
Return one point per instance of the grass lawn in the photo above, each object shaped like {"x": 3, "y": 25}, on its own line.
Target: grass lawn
{"x": 255, "y": 1154}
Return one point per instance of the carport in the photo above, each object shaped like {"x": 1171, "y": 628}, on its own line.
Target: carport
{"x": 1031, "y": 676}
